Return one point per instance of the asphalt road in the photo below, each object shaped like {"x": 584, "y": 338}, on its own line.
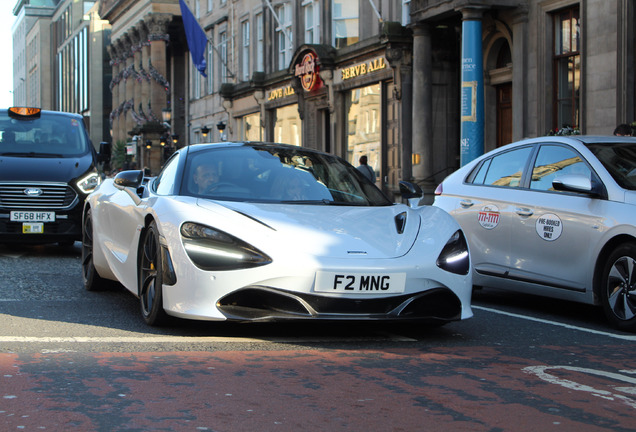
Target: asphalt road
{"x": 77, "y": 360}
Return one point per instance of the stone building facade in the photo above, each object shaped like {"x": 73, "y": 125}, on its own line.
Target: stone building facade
{"x": 59, "y": 60}
{"x": 381, "y": 78}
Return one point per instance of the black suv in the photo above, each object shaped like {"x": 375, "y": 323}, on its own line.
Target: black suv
{"x": 47, "y": 168}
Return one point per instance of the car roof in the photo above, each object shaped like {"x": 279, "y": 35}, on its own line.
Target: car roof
{"x": 585, "y": 139}
{"x": 261, "y": 144}
{"x": 62, "y": 113}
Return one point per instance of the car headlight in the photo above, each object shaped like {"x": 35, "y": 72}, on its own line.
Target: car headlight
{"x": 454, "y": 257}
{"x": 89, "y": 182}
{"x": 211, "y": 249}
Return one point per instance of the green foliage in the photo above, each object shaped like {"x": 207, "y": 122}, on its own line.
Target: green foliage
{"x": 118, "y": 155}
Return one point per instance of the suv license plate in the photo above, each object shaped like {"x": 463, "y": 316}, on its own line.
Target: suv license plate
{"x": 32, "y": 216}
{"x": 32, "y": 228}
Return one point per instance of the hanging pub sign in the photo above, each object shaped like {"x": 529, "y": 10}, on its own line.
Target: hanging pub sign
{"x": 307, "y": 72}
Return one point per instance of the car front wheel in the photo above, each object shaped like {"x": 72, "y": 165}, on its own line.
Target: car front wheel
{"x": 618, "y": 289}
{"x": 92, "y": 280}
{"x": 150, "y": 278}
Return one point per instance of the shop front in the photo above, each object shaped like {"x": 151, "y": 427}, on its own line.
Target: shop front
{"x": 351, "y": 105}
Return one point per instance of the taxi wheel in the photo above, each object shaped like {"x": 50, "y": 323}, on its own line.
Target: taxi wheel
{"x": 92, "y": 280}
{"x": 150, "y": 278}
{"x": 618, "y": 289}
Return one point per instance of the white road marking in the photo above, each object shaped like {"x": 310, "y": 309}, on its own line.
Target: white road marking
{"x": 540, "y": 371}
{"x": 555, "y": 323}
{"x": 193, "y": 339}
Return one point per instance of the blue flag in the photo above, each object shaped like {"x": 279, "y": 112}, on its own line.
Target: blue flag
{"x": 195, "y": 35}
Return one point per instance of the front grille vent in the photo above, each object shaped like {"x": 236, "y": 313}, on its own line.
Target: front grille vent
{"x": 52, "y": 196}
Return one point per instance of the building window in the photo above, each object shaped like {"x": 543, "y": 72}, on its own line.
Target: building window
{"x": 566, "y": 68}
{"x": 245, "y": 50}
{"x": 251, "y": 127}
{"x": 210, "y": 69}
{"x": 210, "y": 5}
{"x": 260, "y": 44}
{"x": 345, "y": 30}
{"x": 223, "y": 49}
{"x": 406, "y": 12}
{"x": 284, "y": 35}
{"x": 288, "y": 126}
{"x": 196, "y": 82}
{"x": 311, "y": 12}
{"x": 363, "y": 106}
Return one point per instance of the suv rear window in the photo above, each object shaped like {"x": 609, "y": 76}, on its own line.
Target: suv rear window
{"x": 47, "y": 135}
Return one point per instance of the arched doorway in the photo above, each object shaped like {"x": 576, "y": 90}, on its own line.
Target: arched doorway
{"x": 499, "y": 75}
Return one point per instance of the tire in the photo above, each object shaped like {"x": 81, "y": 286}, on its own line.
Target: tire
{"x": 92, "y": 280}
{"x": 618, "y": 287}
{"x": 150, "y": 278}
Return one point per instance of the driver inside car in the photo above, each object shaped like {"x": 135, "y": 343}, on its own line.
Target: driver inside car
{"x": 205, "y": 177}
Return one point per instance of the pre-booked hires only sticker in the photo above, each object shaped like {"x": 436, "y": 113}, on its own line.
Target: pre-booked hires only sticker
{"x": 489, "y": 216}
{"x": 549, "y": 227}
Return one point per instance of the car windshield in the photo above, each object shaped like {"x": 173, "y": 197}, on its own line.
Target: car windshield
{"x": 47, "y": 135}
{"x": 278, "y": 174}
{"x": 619, "y": 159}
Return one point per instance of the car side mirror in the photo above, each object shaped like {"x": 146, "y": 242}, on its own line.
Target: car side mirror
{"x": 410, "y": 190}
{"x": 132, "y": 179}
{"x": 576, "y": 183}
{"x": 412, "y": 193}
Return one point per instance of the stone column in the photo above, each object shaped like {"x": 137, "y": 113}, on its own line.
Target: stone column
{"x": 129, "y": 84}
{"x": 520, "y": 74}
{"x": 135, "y": 77}
{"x": 422, "y": 156}
{"x": 158, "y": 37}
{"x": 121, "y": 91}
{"x": 143, "y": 69}
{"x": 114, "y": 95}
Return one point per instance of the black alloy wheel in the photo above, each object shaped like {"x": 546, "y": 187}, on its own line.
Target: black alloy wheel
{"x": 618, "y": 289}
{"x": 150, "y": 278}
{"x": 92, "y": 280}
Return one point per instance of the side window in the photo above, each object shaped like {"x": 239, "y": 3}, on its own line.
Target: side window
{"x": 505, "y": 169}
{"x": 553, "y": 161}
{"x": 164, "y": 184}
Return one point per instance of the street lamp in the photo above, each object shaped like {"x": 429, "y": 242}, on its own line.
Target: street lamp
{"x": 166, "y": 115}
{"x": 221, "y": 127}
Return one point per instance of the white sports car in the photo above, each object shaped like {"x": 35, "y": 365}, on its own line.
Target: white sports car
{"x": 254, "y": 231}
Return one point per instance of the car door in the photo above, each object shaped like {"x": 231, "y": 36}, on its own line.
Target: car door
{"x": 484, "y": 207}
{"x": 555, "y": 232}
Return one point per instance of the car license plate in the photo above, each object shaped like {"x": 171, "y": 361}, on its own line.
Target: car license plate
{"x": 32, "y": 228}
{"x": 360, "y": 283}
{"x": 32, "y": 216}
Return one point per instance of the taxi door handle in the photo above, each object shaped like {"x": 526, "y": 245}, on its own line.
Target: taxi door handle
{"x": 466, "y": 203}
{"x": 523, "y": 211}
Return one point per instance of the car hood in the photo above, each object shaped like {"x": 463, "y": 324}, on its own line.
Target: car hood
{"x": 42, "y": 169}
{"x": 333, "y": 231}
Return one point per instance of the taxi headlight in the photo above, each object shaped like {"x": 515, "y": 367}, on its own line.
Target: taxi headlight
{"x": 89, "y": 182}
{"x": 211, "y": 249}
{"x": 454, "y": 257}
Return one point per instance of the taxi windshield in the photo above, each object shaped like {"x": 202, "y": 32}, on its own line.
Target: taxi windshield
{"x": 47, "y": 135}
